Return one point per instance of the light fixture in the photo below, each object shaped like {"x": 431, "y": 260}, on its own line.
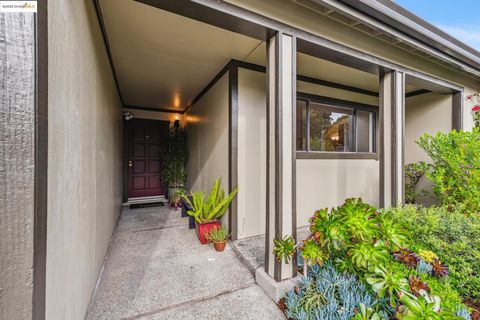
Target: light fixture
{"x": 127, "y": 115}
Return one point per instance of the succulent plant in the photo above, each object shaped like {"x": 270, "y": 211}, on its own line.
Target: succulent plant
{"x": 438, "y": 269}
{"x": 417, "y": 284}
{"x": 427, "y": 255}
{"x": 284, "y": 248}
{"x": 328, "y": 229}
{"x": 366, "y": 255}
{"x": 387, "y": 282}
{"x": 313, "y": 253}
{"x": 424, "y": 267}
{"x": 407, "y": 257}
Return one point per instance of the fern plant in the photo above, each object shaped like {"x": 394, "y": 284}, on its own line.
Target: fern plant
{"x": 211, "y": 207}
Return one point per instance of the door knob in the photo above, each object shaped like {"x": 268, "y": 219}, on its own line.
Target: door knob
{"x": 129, "y": 163}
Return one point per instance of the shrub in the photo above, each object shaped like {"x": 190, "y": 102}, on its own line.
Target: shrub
{"x": 452, "y": 236}
{"x": 413, "y": 173}
{"x": 456, "y": 167}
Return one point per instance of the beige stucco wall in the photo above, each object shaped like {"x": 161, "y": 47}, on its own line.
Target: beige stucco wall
{"x": 252, "y": 151}
{"x": 328, "y": 182}
{"x": 426, "y": 113}
{"x": 84, "y": 161}
{"x": 320, "y": 183}
{"x": 207, "y": 139}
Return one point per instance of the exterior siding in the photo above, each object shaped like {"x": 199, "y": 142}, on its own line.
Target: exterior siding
{"x": 207, "y": 130}
{"x": 17, "y": 165}
{"x": 85, "y": 157}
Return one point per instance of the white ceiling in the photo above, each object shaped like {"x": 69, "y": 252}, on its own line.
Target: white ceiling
{"x": 164, "y": 60}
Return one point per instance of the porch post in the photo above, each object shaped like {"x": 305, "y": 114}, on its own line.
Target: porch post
{"x": 392, "y": 138}
{"x": 457, "y": 110}
{"x": 281, "y": 153}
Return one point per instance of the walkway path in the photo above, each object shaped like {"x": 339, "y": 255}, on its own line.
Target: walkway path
{"x": 157, "y": 269}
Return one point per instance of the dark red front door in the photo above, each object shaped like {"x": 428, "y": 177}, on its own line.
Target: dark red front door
{"x": 146, "y": 140}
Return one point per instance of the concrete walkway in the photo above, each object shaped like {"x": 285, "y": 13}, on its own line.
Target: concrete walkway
{"x": 157, "y": 269}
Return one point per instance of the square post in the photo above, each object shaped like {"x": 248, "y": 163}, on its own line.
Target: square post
{"x": 392, "y": 138}
{"x": 281, "y": 153}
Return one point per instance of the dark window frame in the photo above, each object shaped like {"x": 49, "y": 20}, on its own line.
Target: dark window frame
{"x": 332, "y": 102}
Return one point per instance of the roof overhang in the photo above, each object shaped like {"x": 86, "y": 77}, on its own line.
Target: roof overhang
{"x": 387, "y": 20}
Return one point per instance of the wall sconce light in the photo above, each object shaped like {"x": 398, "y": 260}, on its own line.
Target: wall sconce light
{"x": 127, "y": 116}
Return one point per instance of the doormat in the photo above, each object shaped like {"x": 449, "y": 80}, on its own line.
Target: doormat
{"x": 146, "y": 205}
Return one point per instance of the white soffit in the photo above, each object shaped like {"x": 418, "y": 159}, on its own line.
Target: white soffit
{"x": 164, "y": 60}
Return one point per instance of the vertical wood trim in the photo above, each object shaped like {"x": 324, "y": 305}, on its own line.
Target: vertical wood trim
{"x": 278, "y": 148}
{"x": 41, "y": 161}
{"x": 398, "y": 137}
{"x": 126, "y": 153}
{"x": 458, "y": 99}
{"x": 294, "y": 150}
{"x": 394, "y": 138}
{"x": 381, "y": 133}
{"x": 233, "y": 147}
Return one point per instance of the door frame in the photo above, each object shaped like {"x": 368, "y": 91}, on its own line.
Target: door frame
{"x": 126, "y": 150}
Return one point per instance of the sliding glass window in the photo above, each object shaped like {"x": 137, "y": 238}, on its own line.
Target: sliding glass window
{"x": 330, "y": 126}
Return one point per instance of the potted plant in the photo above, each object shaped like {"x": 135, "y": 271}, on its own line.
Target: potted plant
{"x": 175, "y": 199}
{"x": 207, "y": 210}
{"x": 175, "y": 160}
{"x": 219, "y": 237}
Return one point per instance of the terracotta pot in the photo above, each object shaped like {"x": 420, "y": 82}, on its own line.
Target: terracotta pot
{"x": 220, "y": 246}
{"x": 204, "y": 228}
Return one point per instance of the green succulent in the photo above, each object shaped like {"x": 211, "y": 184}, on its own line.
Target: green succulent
{"x": 359, "y": 218}
{"x": 329, "y": 229}
{"x": 366, "y": 313}
{"x": 365, "y": 255}
{"x": 387, "y": 281}
{"x": 313, "y": 253}
{"x": 392, "y": 233}
{"x": 284, "y": 248}
{"x": 425, "y": 307}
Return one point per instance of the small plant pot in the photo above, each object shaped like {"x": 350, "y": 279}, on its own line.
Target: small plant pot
{"x": 220, "y": 246}
{"x": 204, "y": 228}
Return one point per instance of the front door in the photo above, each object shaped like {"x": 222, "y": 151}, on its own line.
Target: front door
{"x": 147, "y": 138}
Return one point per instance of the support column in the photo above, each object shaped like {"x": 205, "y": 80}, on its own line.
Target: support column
{"x": 281, "y": 153}
{"x": 392, "y": 138}
{"x": 457, "y": 110}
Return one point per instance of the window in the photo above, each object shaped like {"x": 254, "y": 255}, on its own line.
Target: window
{"x": 326, "y": 125}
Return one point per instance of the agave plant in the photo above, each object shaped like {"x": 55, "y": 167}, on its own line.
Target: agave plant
{"x": 388, "y": 282}
{"x": 367, "y": 255}
{"x": 211, "y": 207}
{"x": 284, "y": 248}
{"x": 313, "y": 253}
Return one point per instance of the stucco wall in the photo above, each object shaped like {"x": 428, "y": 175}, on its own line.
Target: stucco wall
{"x": 320, "y": 183}
{"x": 426, "y": 113}
{"x": 85, "y": 154}
{"x": 252, "y": 151}
{"x": 17, "y": 146}
{"x": 207, "y": 131}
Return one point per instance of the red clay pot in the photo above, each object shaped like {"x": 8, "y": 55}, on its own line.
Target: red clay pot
{"x": 220, "y": 246}
{"x": 204, "y": 228}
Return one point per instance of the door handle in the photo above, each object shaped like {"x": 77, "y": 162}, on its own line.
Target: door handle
{"x": 129, "y": 163}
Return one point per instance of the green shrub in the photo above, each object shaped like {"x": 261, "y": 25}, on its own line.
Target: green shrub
{"x": 452, "y": 236}
{"x": 413, "y": 173}
{"x": 455, "y": 167}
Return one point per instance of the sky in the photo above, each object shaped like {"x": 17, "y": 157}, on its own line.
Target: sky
{"x": 459, "y": 18}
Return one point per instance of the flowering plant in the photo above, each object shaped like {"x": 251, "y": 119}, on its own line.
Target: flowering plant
{"x": 476, "y": 108}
